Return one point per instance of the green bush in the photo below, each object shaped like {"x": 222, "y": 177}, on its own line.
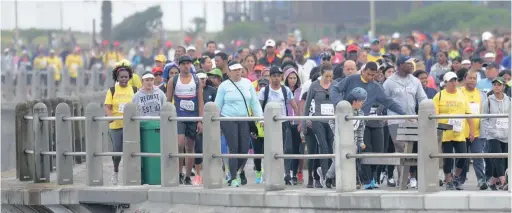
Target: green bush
{"x": 139, "y": 25}
{"x": 243, "y": 30}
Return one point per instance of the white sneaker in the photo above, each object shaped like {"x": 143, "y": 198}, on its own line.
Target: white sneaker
{"x": 382, "y": 177}
{"x": 115, "y": 178}
{"x": 391, "y": 182}
{"x": 413, "y": 183}
{"x": 322, "y": 179}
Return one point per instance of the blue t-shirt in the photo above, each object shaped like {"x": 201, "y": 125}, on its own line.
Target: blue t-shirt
{"x": 484, "y": 85}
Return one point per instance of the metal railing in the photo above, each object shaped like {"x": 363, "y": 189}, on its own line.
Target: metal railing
{"x": 35, "y": 154}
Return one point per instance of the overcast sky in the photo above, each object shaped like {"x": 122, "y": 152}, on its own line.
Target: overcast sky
{"x": 78, "y": 14}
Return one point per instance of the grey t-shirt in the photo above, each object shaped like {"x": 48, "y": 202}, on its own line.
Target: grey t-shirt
{"x": 406, "y": 92}
{"x": 149, "y": 103}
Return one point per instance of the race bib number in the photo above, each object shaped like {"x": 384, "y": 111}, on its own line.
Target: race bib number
{"x": 327, "y": 109}
{"x": 475, "y": 108}
{"x": 373, "y": 111}
{"x": 502, "y": 123}
{"x": 74, "y": 66}
{"x": 187, "y": 105}
{"x": 43, "y": 63}
{"x": 121, "y": 107}
{"x": 457, "y": 124}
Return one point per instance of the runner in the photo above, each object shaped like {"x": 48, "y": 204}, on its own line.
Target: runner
{"x": 305, "y": 64}
{"x": 491, "y": 72}
{"x": 233, "y": 95}
{"x": 187, "y": 93}
{"x": 55, "y": 62}
{"x": 221, "y": 61}
{"x": 73, "y": 63}
{"x": 451, "y": 100}
{"x": 258, "y": 144}
{"x": 115, "y": 100}
{"x": 135, "y": 80}
{"x": 205, "y": 63}
{"x": 215, "y": 77}
{"x": 497, "y": 131}
{"x": 150, "y": 98}
{"x": 270, "y": 58}
{"x": 159, "y": 81}
{"x": 275, "y": 92}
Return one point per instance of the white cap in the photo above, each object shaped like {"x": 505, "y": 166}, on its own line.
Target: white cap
{"x": 486, "y": 36}
{"x": 490, "y": 55}
{"x": 148, "y": 75}
{"x": 251, "y": 47}
{"x": 395, "y": 35}
{"x": 216, "y": 51}
{"x": 201, "y": 75}
{"x": 339, "y": 48}
{"x": 465, "y": 62}
{"x": 191, "y": 48}
{"x": 220, "y": 47}
{"x": 270, "y": 43}
{"x": 366, "y": 45}
{"x": 449, "y": 76}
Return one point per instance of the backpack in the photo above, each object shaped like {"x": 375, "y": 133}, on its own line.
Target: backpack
{"x": 267, "y": 91}
{"x": 113, "y": 90}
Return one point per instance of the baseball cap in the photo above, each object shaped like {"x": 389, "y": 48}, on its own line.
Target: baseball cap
{"x": 339, "y": 47}
{"x": 160, "y": 58}
{"x": 156, "y": 70}
{"x": 201, "y": 75}
{"x": 147, "y": 75}
{"x": 449, "y": 76}
{"x": 352, "y": 48}
{"x": 275, "y": 69}
{"x": 491, "y": 65}
{"x": 191, "y": 48}
{"x": 263, "y": 81}
{"x": 500, "y": 80}
{"x": 215, "y": 72}
{"x": 270, "y": 43}
{"x": 465, "y": 62}
{"x": 185, "y": 58}
{"x": 375, "y": 41}
{"x": 486, "y": 36}
{"x": 490, "y": 55}
{"x": 234, "y": 65}
{"x": 476, "y": 58}
{"x": 404, "y": 59}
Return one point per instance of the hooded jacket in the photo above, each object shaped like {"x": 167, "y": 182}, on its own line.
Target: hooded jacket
{"x": 438, "y": 70}
{"x": 496, "y": 128}
{"x": 149, "y": 103}
{"x": 296, "y": 92}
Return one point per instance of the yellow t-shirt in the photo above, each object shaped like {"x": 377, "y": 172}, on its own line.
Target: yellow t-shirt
{"x": 135, "y": 81}
{"x": 449, "y": 103}
{"x": 475, "y": 103}
{"x": 57, "y": 64}
{"x": 372, "y": 58}
{"x": 122, "y": 96}
{"x": 40, "y": 63}
{"x": 110, "y": 59}
{"x": 73, "y": 62}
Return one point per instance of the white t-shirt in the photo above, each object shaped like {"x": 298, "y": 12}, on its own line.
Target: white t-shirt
{"x": 277, "y": 96}
{"x": 305, "y": 70}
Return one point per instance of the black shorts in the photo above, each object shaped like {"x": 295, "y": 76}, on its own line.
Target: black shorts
{"x": 187, "y": 128}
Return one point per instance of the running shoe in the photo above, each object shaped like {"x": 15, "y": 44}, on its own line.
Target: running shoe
{"x": 294, "y": 180}
{"x": 382, "y": 177}
{"x": 258, "y": 177}
{"x": 493, "y": 187}
{"x": 374, "y": 184}
{"x": 450, "y": 186}
{"x": 318, "y": 184}
{"x": 310, "y": 182}
{"x": 181, "y": 178}
{"x": 187, "y": 181}
{"x": 391, "y": 182}
{"x": 287, "y": 180}
{"x": 368, "y": 186}
{"x": 322, "y": 178}
{"x": 234, "y": 182}
{"x": 228, "y": 177}
{"x": 504, "y": 188}
{"x": 413, "y": 183}
{"x": 198, "y": 180}
{"x": 456, "y": 183}
{"x": 328, "y": 182}
{"x": 243, "y": 179}
{"x": 300, "y": 178}
{"x": 482, "y": 185}
{"x": 115, "y": 178}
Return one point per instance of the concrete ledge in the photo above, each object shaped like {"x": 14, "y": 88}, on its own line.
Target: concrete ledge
{"x": 108, "y": 195}
{"x": 215, "y": 197}
{"x": 453, "y": 200}
{"x": 490, "y": 201}
{"x": 405, "y": 201}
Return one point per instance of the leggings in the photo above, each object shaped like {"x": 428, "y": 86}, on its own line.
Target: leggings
{"x": 450, "y": 147}
{"x": 199, "y": 147}
{"x": 258, "y": 146}
{"x": 499, "y": 165}
{"x": 295, "y": 143}
{"x": 116, "y": 137}
{"x": 374, "y": 141}
{"x": 325, "y": 138}
{"x": 312, "y": 147}
{"x": 287, "y": 146}
{"x": 236, "y": 134}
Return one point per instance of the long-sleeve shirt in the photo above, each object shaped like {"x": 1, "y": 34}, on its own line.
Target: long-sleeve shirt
{"x": 375, "y": 93}
{"x": 407, "y": 91}
{"x": 231, "y": 103}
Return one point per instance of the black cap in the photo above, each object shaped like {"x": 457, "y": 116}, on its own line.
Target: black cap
{"x": 185, "y": 58}
{"x": 275, "y": 69}
{"x": 263, "y": 81}
{"x": 491, "y": 65}
{"x": 476, "y": 58}
{"x": 371, "y": 66}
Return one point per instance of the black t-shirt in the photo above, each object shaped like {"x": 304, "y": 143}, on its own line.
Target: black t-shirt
{"x": 225, "y": 77}
{"x": 209, "y": 94}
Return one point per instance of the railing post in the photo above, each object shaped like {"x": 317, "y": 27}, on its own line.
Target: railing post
{"x": 427, "y": 179}
{"x": 21, "y": 82}
{"x": 79, "y": 81}
{"x": 169, "y": 144}
{"x": 344, "y": 144}
{"x": 63, "y": 144}
{"x": 50, "y": 79}
{"x": 41, "y": 140}
{"x": 92, "y": 142}
{"x": 131, "y": 144}
{"x": 8, "y": 84}
{"x": 274, "y": 168}
{"x": 24, "y": 167}
{"x": 212, "y": 169}
{"x": 36, "y": 84}
{"x": 509, "y": 147}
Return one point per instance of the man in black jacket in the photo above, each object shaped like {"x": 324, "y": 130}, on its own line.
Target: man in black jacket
{"x": 270, "y": 58}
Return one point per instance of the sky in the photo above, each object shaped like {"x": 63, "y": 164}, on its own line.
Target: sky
{"x": 78, "y": 14}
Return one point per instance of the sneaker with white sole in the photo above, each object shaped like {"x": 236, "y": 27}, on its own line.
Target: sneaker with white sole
{"x": 322, "y": 179}
{"x": 391, "y": 182}
{"x": 413, "y": 183}
{"x": 115, "y": 178}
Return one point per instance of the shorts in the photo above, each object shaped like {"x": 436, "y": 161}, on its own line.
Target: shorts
{"x": 187, "y": 128}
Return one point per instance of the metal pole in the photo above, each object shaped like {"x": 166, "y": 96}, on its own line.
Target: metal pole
{"x": 92, "y": 142}
{"x": 41, "y": 144}
{"x": 372, "y": 19}
{"x": 274, "y": 145}
{"x": 62, "y": 140}
{"x": 181, "y": 15}
{"x": 16, "y": 20}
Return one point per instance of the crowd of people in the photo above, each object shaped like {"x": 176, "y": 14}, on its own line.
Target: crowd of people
{"x": 383, "y": 76}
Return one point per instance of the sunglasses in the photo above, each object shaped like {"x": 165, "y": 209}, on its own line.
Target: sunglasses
{"x": 157, "y": 74}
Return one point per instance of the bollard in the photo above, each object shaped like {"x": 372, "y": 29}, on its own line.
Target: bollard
{"x": 131, "y": 144}
{"x": 92, "y": 141}
{"x": 213, "y": 177}
{"x": 273, "y": 145}
{"x": 344, "y": 144}
{"x": 21, "y": 80}
{"x": 24, "y": 142}
{"x": 169, "y": 144}
{"x": 427, "y": 177}
{"x": 50, "y": 79}
{"x": 41, "y": 144}
{"x": 63, "y": 144}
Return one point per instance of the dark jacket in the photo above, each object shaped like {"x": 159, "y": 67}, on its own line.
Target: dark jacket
{"x": 264, "y": 61}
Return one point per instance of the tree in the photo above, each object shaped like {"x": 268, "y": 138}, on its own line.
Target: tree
{"x": 139, "y": 25}
{"x": 243, "y": 30}
{"x": 106, "y": 20}
{"x": 199, "y": 27}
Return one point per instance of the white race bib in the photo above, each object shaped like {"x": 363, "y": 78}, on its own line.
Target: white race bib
{"x": 475, "y": 108}
{"x": 43, "y": 63}
{"x": 502, "y": 123}
{"x": 74, "y": 66}
{"x": 373, "y": 111}
{"x": 187, "y": 105}
{"x": 457, "y": 124}
{"x": 327, "y": 109}
{"x": 121, "y": 107}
